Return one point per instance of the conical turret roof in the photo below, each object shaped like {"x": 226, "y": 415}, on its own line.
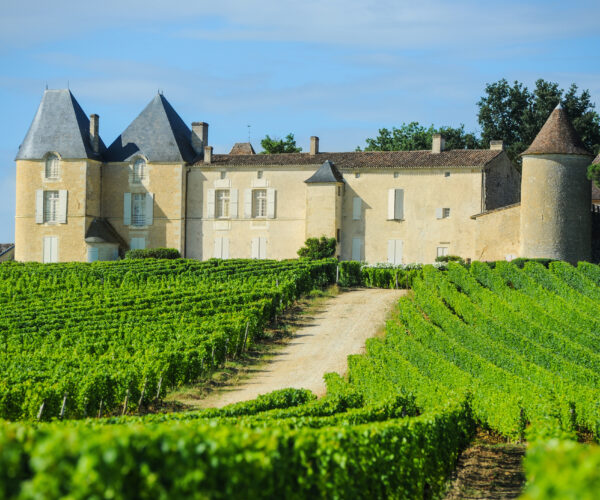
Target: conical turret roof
{"x": 158, "y": 133}
{"x": 60, "y": 125}
{"x": 557, "y": 136}
{"x": 327, "y": 172}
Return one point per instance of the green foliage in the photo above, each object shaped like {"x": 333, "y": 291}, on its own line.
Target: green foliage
{"x": 413, "y": 136}
{"x": 350, "y": 273}
{"x": 153, "y": 253}
{"x": 450, "y": 258}
{"x": 275, "y": 145}
{"x": 593, "y": 173}
{"x": 318, "y": 248}
{"x": 515, "y": 114}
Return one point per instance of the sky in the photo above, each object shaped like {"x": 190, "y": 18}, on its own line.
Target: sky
{"x": 340, "y": 70}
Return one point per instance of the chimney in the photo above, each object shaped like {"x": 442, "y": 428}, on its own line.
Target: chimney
{"x": 199, "y": 136}
{"x": 94, "y": 135}
{"x": 438, "y": 143}
{"x": 208, "y": 154}
{"x": 314, "y": 145}
{"x": 497, "y": 145}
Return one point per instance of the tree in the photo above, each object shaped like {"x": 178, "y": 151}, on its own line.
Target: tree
{"x": 275, "y": 145}
{"x": 413, "y": 137}
{"x": 516, "y": 115}
{"x": 318, "y": 248}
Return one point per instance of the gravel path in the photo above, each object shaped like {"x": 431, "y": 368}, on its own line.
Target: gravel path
{"x": 320, "y": 346}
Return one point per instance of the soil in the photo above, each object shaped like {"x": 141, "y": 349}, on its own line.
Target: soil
{"x": 488, "y": 469}
{"x": 320, "y": 345}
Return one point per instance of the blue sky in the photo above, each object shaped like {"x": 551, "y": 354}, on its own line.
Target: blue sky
{"x": 337, "y": 69}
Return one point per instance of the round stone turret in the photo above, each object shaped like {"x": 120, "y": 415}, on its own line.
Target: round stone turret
{"x": 556, "y": 194}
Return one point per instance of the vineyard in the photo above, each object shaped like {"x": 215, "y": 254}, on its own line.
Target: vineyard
{"x": 512, "y": 350}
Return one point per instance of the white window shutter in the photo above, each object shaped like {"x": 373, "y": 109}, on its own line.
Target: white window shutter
{"x": 248, "y": 203}
{"x": 54, "y": 249}
{"x": 92, "y": 254}
{"x": 391, "y": 204}
{"x": 46, "y": 249}
{"x": 233, "y": 203}
{"x": 225, "y": 248}
{"x": 127, "y": 209}
{"x": 356, "y": 249}
{"x": 39, "y": 206}
{"x": 149, "y": 208}
{"x": 262, "y": 248}
{"x": 356, "y": 208}
{"x": 439, "y": 213}
{"x": 398, "y": 204}
{"x": 270, "y": 203}
{"x": 255, "y": 248}
{"x": 62, "y": 207}
{"x": 210, "y": 203}
{"x": 218, "y": 248}
{"x": 391, "y": 251}
{"x": 398, "y": 252}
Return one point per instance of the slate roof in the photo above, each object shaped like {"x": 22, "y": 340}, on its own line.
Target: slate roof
{"x": 59, "y": 125}
{"x": 158, "y": 133}
{"x": 365, "y": 159}
{"x": 5, "y": 247}
{"x": 101, "y": 231}
{"x": 557, "y": 136}
{"x": 327, "y": 172}
{"x": 242, "y": 148}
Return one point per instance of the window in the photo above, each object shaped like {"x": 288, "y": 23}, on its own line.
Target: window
{"x": 339, "y": 190}
{"x": 357, "y": 175}
{"x": 52, "y": 167}
{"x": 338, "y": 235}
{"x": 442, "y": 251}
{"x": 222, "y": 203}
{"x": 137, "y": 243}
{"x": 395, "y": 252}
{"x": 259, "y": 203}
{"x": 396, "y": 175}
{"x": 446, "y": 174}
{"x": 259, "y": 248}
{"x": 223, "y": 174}
{"x": 221, "y": 248}
{"x": 356, "y": 208}
{"x": 50, "y": 249}
{"x": 139, "y": 168}
{"x": 51, "y": 206}
{"x": 446, "y": 213}
{"x": 442, "y": 213}
{"x": 395, "y": 204}
{"x": 259, "y": 174}
{"x": 357, "y": 249}
{"x": 138, "y": 209}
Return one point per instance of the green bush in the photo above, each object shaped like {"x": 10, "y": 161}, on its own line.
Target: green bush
{"x": 318, "y": 248}
{"x": 154, "y": 253}
{"x": 450, "y": 258}
{"x": 350, "y": 273}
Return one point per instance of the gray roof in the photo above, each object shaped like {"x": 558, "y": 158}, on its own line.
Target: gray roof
{"x": 59, "y": 125}
{"x": 101, "y": 231}
{"x": 327, "y": 172}
{"x": 6, "y": 247}
{"x": 158, "y": 133}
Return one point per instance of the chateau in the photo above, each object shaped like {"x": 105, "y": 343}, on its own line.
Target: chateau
{"x": 159, "y": 184}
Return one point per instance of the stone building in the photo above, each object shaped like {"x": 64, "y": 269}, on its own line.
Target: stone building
{"x": 159, "y": 184}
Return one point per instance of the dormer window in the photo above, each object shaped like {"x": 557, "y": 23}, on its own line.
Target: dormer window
{"x": 139, "y": 171}
{"x": 52, "y": 166}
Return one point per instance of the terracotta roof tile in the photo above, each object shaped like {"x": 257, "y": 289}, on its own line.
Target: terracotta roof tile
{"x": 365, "y": 159}
{"x": 557, "y": 136}
{"x": 242, "y": 148}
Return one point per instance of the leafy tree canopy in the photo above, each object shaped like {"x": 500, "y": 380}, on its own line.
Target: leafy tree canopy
{"x": 318, "y": 248}
{"x": 413, "y": 136}
{"x": 276, "y": 145}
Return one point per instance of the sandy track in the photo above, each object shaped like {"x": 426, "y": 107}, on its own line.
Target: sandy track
{"x": 320, "y": 346}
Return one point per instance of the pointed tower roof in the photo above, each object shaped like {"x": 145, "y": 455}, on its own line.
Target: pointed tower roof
{"x": 557, "y": 136}
{"x": 59, "y": 125}
{"x": 596, "y": 160}
{"x": 242, "y": 148}
{"x": 158, "y": 133}
{"x": 327, "y": 172}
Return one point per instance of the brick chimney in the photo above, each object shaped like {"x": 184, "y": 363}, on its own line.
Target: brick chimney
{"x": 94, "y": 133}
{"x": 199, "y": 136}
{"x": 438, "y": 144}
{"x": 497, "y": 145}
{"x": 314, "y": 145}
{"x": 208, "y": 154}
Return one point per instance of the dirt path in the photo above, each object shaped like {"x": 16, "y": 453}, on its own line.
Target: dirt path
{"x": 320, "y": 346}
{"x": 488, "y": 469}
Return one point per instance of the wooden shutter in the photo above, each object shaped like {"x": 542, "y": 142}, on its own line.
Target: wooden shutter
{"x": 53, "y": 249}
{"x": 233, "y": 203}
{"x": 262, "y": 248}
{"x": 225, "y": 248}
{"x": 356, "y": 208}
{"x": 391, "y": 204}
{"x": 46, "y": 249}
{"x": 391, "y": 251}
{"x": 149, "y": 208}
{"x": 39, "y": 206}
{"x": 398, "y": 252}
{"x": 255, "y": 248}
{"x": 61, "y": 216}
{"x": 127, "y": 209}
{"x": 248, "y": 203}
{"x": 270, "y": 203}
{"x": 399, "y": 204}
{"x": 439, "y": 213}
{"x": 218, "y": 248}
{"x": 210, "y": 203}
{"x": 356, "y": 249}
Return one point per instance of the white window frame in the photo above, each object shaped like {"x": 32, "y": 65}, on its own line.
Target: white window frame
{"x": 138, "y": 209}
{"x": 138, "y": 171}
{"x": 51, "y": 206}
{"x": 222, "y": 203}
{"x": 52, "y": 167}
{"x": 259, "y": 203}
{"x": 442, "y": 251}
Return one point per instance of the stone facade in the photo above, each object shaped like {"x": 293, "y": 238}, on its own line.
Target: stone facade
{"x": 160, "y": 185}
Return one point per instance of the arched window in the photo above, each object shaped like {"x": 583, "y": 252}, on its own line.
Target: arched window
{"x": 52, "y": 166}
{"x": 139, "y": 168}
